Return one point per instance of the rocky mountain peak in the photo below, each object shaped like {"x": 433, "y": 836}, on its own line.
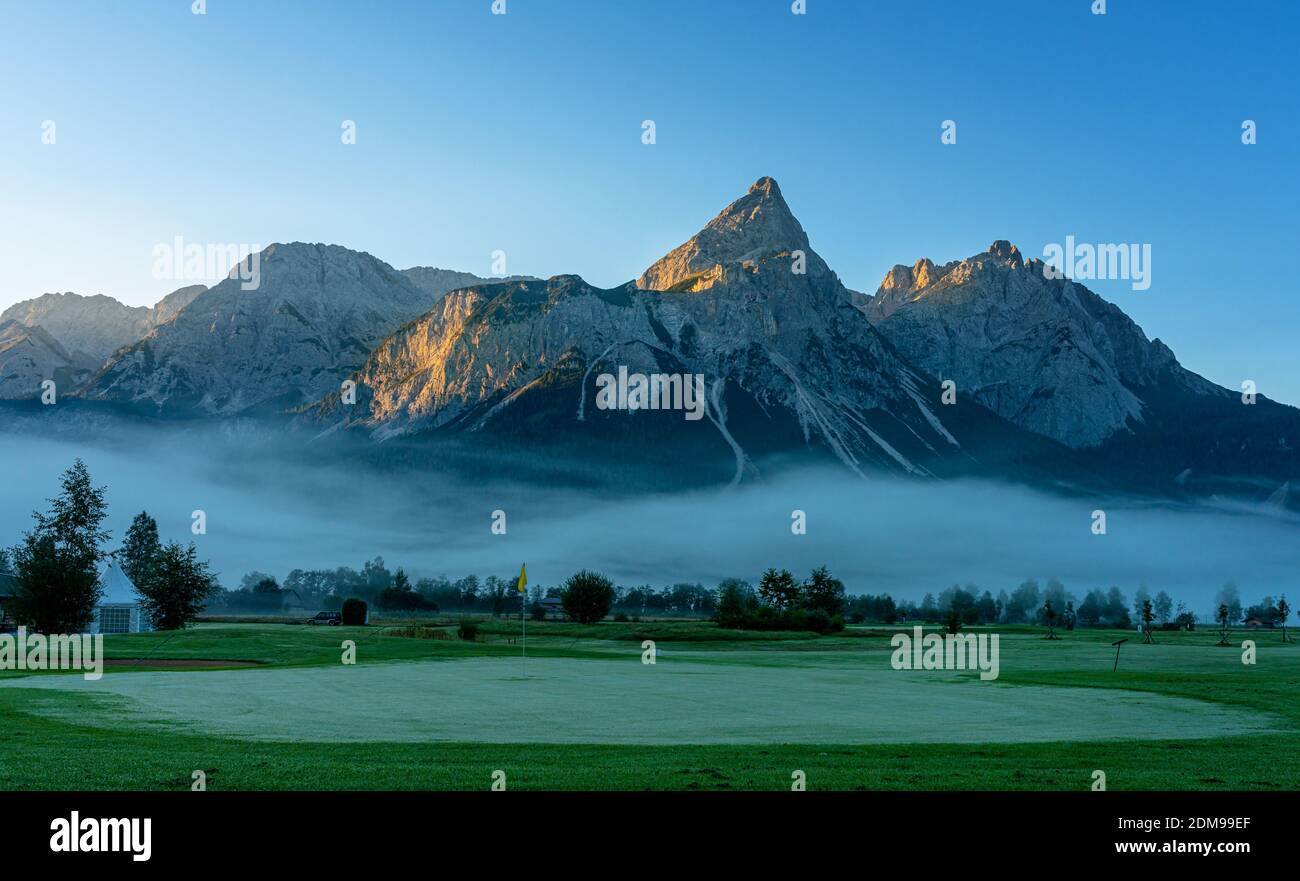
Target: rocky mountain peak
{"x": 757, "y": 226}
{"x": 1004, "y": 250}
{"x": 315, "y": 314}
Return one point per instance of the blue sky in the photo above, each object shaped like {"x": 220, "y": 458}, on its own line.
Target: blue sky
{"x": 522, "y": 133}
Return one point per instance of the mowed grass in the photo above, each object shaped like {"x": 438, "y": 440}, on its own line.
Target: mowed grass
{"x": 59, "y": 739}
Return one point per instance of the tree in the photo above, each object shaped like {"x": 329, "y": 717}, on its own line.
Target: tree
{"x": 1140, "y": 599}
{"x": 1224, "y": 617}
{"x": 778, "y": 589}
{"x": 1092, "y": 608}
{"x": 467, "y": 589}
{"x": 822, "y": 591}
{"x": 1230, "y": 596}
{"x": 56, "y": 567}
{"x": 961, "y": 601}
{"x": 140, "y": 548}
{"x": 735, "y": 603}
{"x": 1148, "y": 618}
{"x": 1116, "y": 612}
{"x": 1164, "y": 607}
{"x": 176, "y": 587}
{"x": 929, "y": 609}
{"x": 1069, "y": 615}
{"x": 400, "y": 597}
{"x": 1022, "y": 604}
{"x": 1283, "y": 612}
{"x": 1049, "y": 618}
{"x": 496, "y": 592}
{"x": 250, "y": 581}
{"x": 587, "y": 597}
{"x": 1060, "y": 597}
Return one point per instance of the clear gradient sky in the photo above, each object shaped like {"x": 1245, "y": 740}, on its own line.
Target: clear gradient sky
{"x": 522, "y": 133}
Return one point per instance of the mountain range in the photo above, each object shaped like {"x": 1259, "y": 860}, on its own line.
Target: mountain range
{"x": 986, "y": 366}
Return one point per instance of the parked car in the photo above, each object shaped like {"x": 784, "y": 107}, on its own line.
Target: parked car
{"x": 333, "y": 619}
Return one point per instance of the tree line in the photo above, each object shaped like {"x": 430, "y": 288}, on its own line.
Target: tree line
{"x": 394, "y": 591}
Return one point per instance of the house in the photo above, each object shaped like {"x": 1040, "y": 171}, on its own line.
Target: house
{"x": 553, "y": 606}
{"x": 119, "y": 609}
{"x": 1257, "y": 624}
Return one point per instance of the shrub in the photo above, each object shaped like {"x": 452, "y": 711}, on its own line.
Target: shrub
{"x": 587, "y": 597}
{"x": 354, "y": 611}
{"x": 468, "y": 629}
{"x": 417, "y": 631}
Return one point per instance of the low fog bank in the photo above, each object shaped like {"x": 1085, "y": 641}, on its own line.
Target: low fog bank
{"x": 273, "y": 510}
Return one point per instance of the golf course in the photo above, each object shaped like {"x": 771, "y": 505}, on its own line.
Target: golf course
{"x": 263, "y": 706}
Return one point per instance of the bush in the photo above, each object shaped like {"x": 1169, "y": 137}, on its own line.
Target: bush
{"x": 587, "y": 597}
{"x": 468, "y": 629}
{"x": 354, "y": 611}
{"x": 417, "y": 631}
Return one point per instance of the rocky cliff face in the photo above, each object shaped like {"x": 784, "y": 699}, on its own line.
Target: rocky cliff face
{"x": 30, "y": 355}
{"x": 67, "y": 337}
{"x": 93, "y": 328}
{"x": 318, "y": 312}
{"x": 1047, "y": 354}
{"x": 787, "y": 360}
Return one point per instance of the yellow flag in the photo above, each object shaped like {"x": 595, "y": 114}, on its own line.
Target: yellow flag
{"x": 523, "y": 577}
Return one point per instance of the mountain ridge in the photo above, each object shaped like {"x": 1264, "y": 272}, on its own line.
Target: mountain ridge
{"x": 977, "y": 367}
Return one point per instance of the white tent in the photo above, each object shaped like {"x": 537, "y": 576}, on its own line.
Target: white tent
{"x": 119, "y": 609}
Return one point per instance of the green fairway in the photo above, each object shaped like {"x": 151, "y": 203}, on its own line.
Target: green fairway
{"x": 738, "y": 712}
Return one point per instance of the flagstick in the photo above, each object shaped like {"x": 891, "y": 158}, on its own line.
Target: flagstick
{"x": 523, "y": 624}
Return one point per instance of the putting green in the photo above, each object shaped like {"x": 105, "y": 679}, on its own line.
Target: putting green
{"x": 594, "y": 701}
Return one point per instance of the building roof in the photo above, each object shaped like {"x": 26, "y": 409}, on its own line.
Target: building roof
{"x": 118, "y": 589}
